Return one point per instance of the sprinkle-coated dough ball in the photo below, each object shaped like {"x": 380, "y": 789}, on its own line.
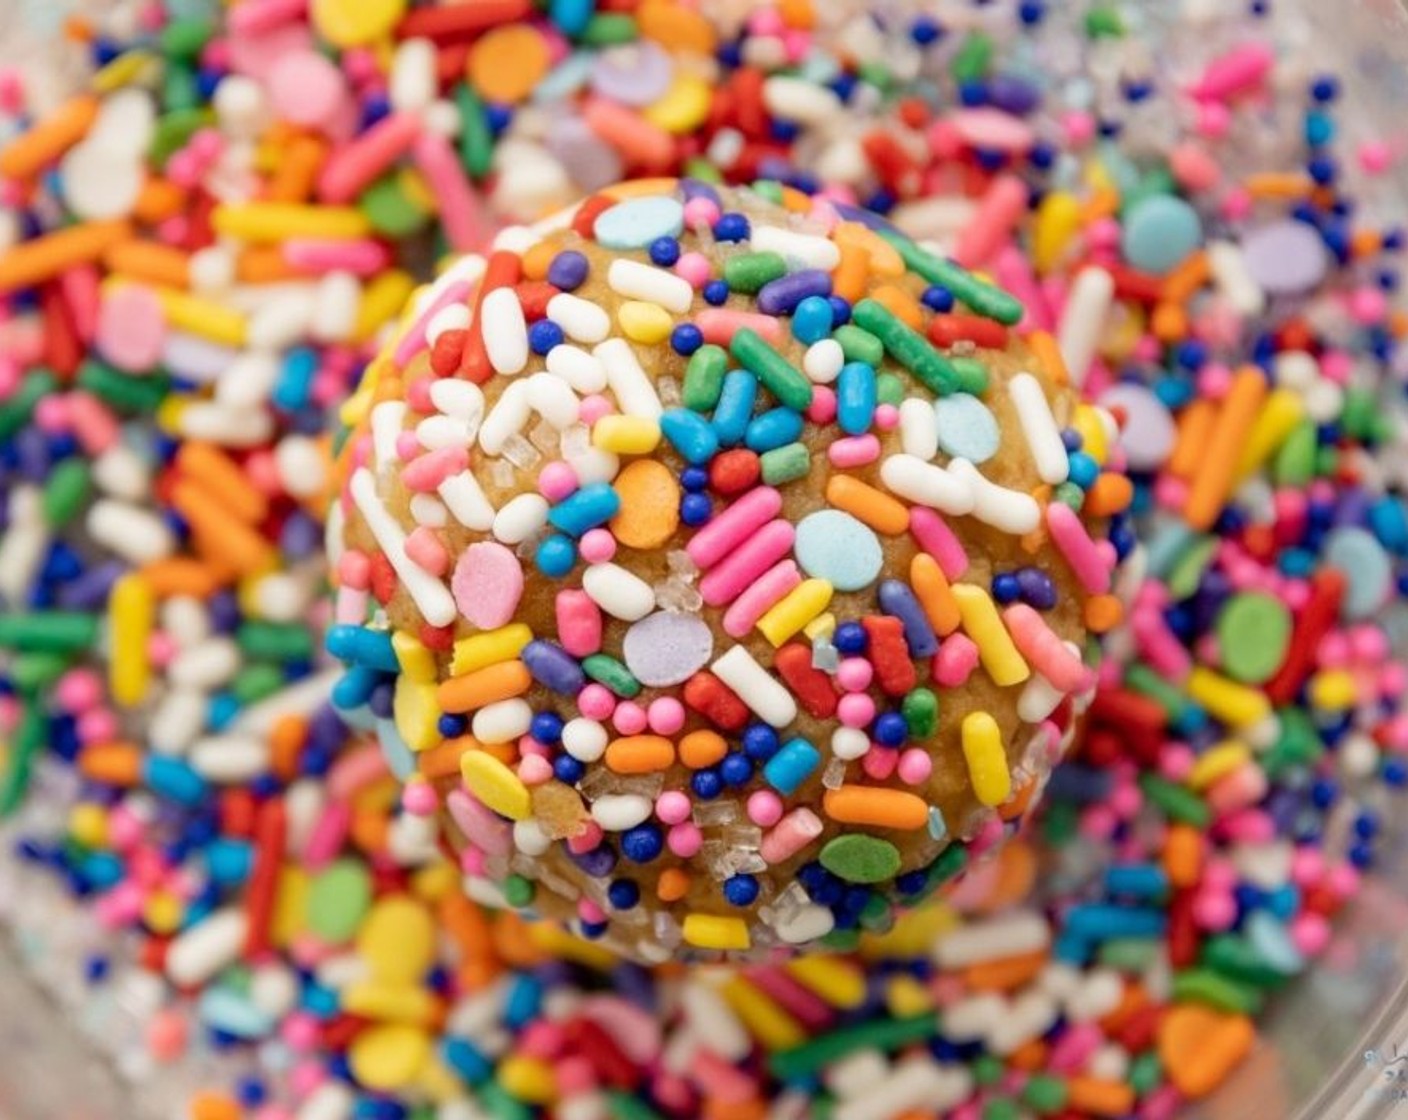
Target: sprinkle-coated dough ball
{"x": 723, "y": 564}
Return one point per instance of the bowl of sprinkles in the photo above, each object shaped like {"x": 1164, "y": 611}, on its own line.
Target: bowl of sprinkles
{"x": 865, "y": 544}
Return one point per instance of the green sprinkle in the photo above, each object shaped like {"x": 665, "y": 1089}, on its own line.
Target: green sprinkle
{"x": 906, "y": 346}
{"x": 15, "y": 413}
{"x": 1179, "y": 802}
{"x": 1059, "y": 822}
{"x": 988, "y": 1069}
{"x": 1128, "y": 954}
{"x": 48, "y": 631}
{"x": 1327, "y": 461}
{"x": 889, "y": 389}
{"x": 1144, "y": 680}
{"x": 787, "y": 463}
{"x": 769, "y": 189}
{"x": 338, "y": 899}
{"x": 1297, "y": 743}
{"x": 946, "y": 865}
{"x": 1000, "y": 1108}
{"x": 817, "y": 1053}
{"x": 1235, "y": 958}
{"x": 501, "y": 1104}
{"x": 920, "y": 709}
{"x": 1294, "y": 464}
{"x": 1187, "y": 571}
{"x": 1202, "y": 985}
{"x": 1104, "y": 23}
{"x": 972, "y": 376}
{"x": 255, "y": 682}
{"x": 779, "y": 376}
{"x": 704, "y": 378}
{"x": 876, "y": 74}
{"x": 275, "y": 641}
{"x": 628, "y": 1106}
{"x": 985, "y": 299}
{"x": 697, "y": 167}
{"x": 876, "y": 914}
{"x": 606, "y": 670}
{"x": 121, "y": 391}
{"x": 519, "y": 891}
{"x": 1145, "y": 1072}
{"x": 859, "y": 346}
{"x": 1253, "y": 634}
{"x": 183, "y": 39}
{"x": 607, "y": 29}
{"x": 26, "y": 743}
{"x": 858, "y": 858}
{"x": 390, "y": 209}
{"x": 65, "y": 491}
{"x": 32, "y": 673}
{"x": 173, "y": 131}
{"x": 1069, "y": 494}
{"x": 179, "y": 89}
{"x": 973, "y": 57}
{"x": 841, "y": 940}
{"x": 476, "y": 139}
{"x": 748, "y": 272}
{"x": 1044, "y": 1093}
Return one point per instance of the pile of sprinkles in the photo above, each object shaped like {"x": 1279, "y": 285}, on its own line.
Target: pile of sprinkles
{"x": 197, "y": 256}
{"x": 690, "y": 661}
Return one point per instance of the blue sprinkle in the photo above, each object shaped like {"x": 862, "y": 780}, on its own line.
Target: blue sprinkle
{"x": 553, "y": 667}
{"x": 832, "y": 545}
{"x": 774, "y": 428}
{"x": 686, "y": 339}
{"x": 781, "y": 296}
{"x": 812, "y": 320}
{"x": 897, "y": 599}
{"x": 173, "y": 778}
{"x": 735, "y": 407}
{"x": 544, "y": 335}
{"x": 855, "y": 398}
{"x": 689, "y": 434}
{"x": 791, "y": 766}
{"x": 1143, "y": 880}
{"x": 556, "y": 555}
{"x": 664, "y": 251}
{"x": 568, "y": 270}
{"x": 359, "y": 645}
{"x": 1159, "y": 232}
{"x": 967, "y": 429}
{"x": 586, "y": 509}
{"x": 637, "y": 222}
{"x": 741, "y": 890}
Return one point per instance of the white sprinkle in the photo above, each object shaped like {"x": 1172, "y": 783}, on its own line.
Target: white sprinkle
{"x": 1233, "y": 279}
{"x": 1019, "y": 931}
{"x": 437, "y": 432}
{"x": 386, "y": 421}
{"x": 463, "y": 400}
{"x": 705, "y": 1010}
{"x": 278, "y": 324}
{"x": 178, "y": 721}
{"x": 412, "y": 84}
{"x": 120, "y": 473}
{"x": 616, "y": 812}
{"x": 635, "y": 395}
{"x": 915, "y": 1083}
{"x": 508, "y": 417}
{"x": 24, "y": 543}
{"x": 635, "y": 280}
{"x": 523, "y": 516}
{"x": 1009, "y": 510}
{"x": 451, "y": 317}
{"x": 797, "y": 100}
{"x": 620, "y": 593}
{"x": 331, "y": 1100}
{"x": 552, "y": 399}
{"x": 530, "y": 839}
{"x": 1039, "y": 699}
{"x": 199, "y": 952}
{"x": 928, "y": 484}
{"x": 229, "y": 427}
{"x": 756, "y": 687}
{"x": 584, "y": 739}
{"x": 205, "y": 665}
{"x": 137, "y": 535}
{"x": 849, "y": 743}
{"x": 806, "y": 923}
{"x": 1083, "y": 320}
{"x": 248, "y": 380}
{"x": 594, "y": 465}
{"x": 970, "y": 1019}
{"x": 335, "y": 306}
{"x": 516, "y": 239}
{"x": 919, "y": 428}
{"x": 301, "y": 466}
{"x": 1099, "y": 993}
{"x": 581, "y": 319}
{"x": 1039, "y": 428}
{"x": 505, "y": 331}
{"x": 578, "y": 368}
{"x": 800, "y": 250}
{"x": 503, "y": 721}
{"x": 431, "y": 597}
{"x": 230, "y": 759}
{"x": 823, "y": 361}
{"x": 428, "y": 511}
{"x": 1029, "y": 1015}
{"x": 467, "y": 501}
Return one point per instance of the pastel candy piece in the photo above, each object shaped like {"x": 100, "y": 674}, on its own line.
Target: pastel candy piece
{"x": 1253, "y": 633}
{"x": 1366, "y": 567}
{"x": 1159, "y": 232}
{"x": 832, "y": 545}
{"x": 590, "y": 161}
{"x": 666, "y": 648}
{"x": 650, "y": 500}
{"x": 1285, "y": 256}
{"x": 131, "y": 328}
{"x": 967, "y": 428}
{"x": 860, "y": 859}
{"x": 637, "y": 222}
{"x": 487, "y": 584}
{"x": 1148, "y": 432}
{"x": 636, "y": 74}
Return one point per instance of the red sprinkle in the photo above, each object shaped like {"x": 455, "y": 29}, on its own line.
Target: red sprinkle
{"x": 502, "y": 271}
{"x": 947, "y": 330}
{"x": 715, "y": 701}
{"x": 890, "y": 655}
{"x": 812, "y": 687}
{"x": 584, "y": 221}
{"x": 1316, "y": 618}
{"x": 534, "y": 296}
{"x": 383, "y": 578}
{"x": 447, "y": 352}
{"x": 734, "y": 471}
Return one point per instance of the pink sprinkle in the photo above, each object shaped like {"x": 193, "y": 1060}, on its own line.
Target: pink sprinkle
{"x": 694, "y": 268}
{"x": 685, "y": 840}
{"x": 855, "y": 710}
{"x": 956, "y": 659}
{"x": 407, "y": 446}
{"x": 78, "y": 690}
{"x": 1375, "y": 156}
{"x": 578, "y": 623}
{"x": 854, "y": 674}
{"x": 557, "y": 480}
{"x": 354, "y": 569}
{"x": 593, "y": 408}
{"x": 534, "y": 770}
{"x": 764, "y": 808}
{"x": 879, "y": 765}
{"x": 822, "y": 410}
{"x": 629, "y": 718}
{"x": 597, "y": 545}
{"x": 586, "y": 840}
{"x": 700, "y": 212}
{"x": 487, "y": 584}
{"x": 419, "y": 799}
{"x": 596, "y": 702}
{"x": 666, "y": 715}
{"x": 915, "y": 766}
{"x": 1310, "y": 932}
{"x": 937, "y": 539}
{"x": 673, "y": 807}
{"x": 423, "y": 546}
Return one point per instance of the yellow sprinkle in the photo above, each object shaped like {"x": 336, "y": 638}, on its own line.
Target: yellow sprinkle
{"x": 290, "y": 917}
{"x": 417, "y": 191}
{"x": 760, "y": 1016}
{"x": 1095, "y": 441}
{"x": 382, "y": 298}
{"x": 986, "y": 758}
{"x": 438, "y": 1081}
{"x": 1333, "y": 690}
{"x": 126, "y": 69}
{"x": 495, "y": 785}
{"x": 646, "y": 323}
{"x": 1216, "y": 763}
{"x": 715, "y": 931}
{"x": 683, "y": 107}
{"x": 1233, "y": 703}
{"x": 915, "y": 931}
{"x": 1278, "y": 417}
{"x": 435, "y": 881}
{"x": 416, "y": 713}
{"x": 489, "y": 648}
{"x": 822, "y": 626}
{"x": 131, "y": 615}
{"x": 906, "y": 996}
{"x": 387, "y": 1057}
{"x": 88, "y": 825}
{"x": 1056, "y": 222}
{"x": 983, "y": 624}
{"x": 397, "y": 940}
{"x": 278, "y": 221}
{"x": 556, "y": 942}
{"x": 203, "y": 317}
{"x": 416, "y": 661}
{"x": 795, "y": 610}
{"x": 390, "y": 1003}
{"x": 840, "y": 984}
{"x": 163, "y": 912}
{"x": 626, "y": 435}
{"x": 531, "y": 1080}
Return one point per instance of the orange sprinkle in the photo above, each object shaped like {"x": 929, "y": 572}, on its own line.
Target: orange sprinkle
{"x": 1187, "y": 277}
{"x": 514, "y": 944}
{"x": 1030, "y": 1056}
{"x": 179, "y": 575}
{"x": 640, "y": 754}
{"x": 211, "y": 1105}
{"x": 32, "y": 262}
{"x": 1009, "y": 877}
{"x": 862, "y": 501}
{"x": 885, "y": 259}
{"x": 1005, "y": 973}
{"x": 296, "y": 170}
{"x": 1048, "y": 355}
{"x": 489, "y": 685}
{"x": 797, "y": 14}
{"x": 849, "y": 278}
{"x": 796, "y": 201}
{"x": 286, "y": 739}
{"x": 1169, "y": 322}
{"x": 1194, "y": 427}
{"x": 672, "y": 885}
{"x": 1366, "y": 242}
{"x": 506, "y": 63}
{"x": 537, "y": 259}
{"x": 1109, "y": 494}
{"x": 1102, "y": 613}
{"x": 675, "y": 27}
{"x": 1103, "y": 203}
{"x": 1278, "y": 184}
{"x": 444, "y": 760}
{"x": 369, "y": 828}
{"x": 263, "y": 264}
{"x": 877, "y": 806}
{"x": 718, "y": 1108}
{"x": 244, "y": 549}
{"x": 702, "y": 748}
{"x": 1098, "y": 1096}
{"x": 1017, "y": 804}
{"x": 223, "y": 480}
{"x": 113, "y": 764}
{"x": 1183, "y": 855}
{"x": 1199, "y": 1047}
{"x": 901, "y": 304}
{"x": 38, "y": 146}
{"x": 1219, "y": 456}
{"x": 934, "y": 594}
{"x": 650, "y": 504}
{"x": 158, "y": 200}
{"x": 149, "y": 262}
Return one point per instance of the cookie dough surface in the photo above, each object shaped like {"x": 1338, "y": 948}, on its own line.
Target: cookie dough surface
{"x": 720, "y": 645}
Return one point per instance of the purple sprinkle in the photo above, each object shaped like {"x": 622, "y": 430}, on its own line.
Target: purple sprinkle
{"x": 697, "y": 188}
{"x": 89, "y": 591}
{"x": 898, "y": 600}
{"x": 1012, "y": 94}
{"x": 1036, "y": 588}
{"x": 553, "y": 667}
{"x": 568, "y": 270}
{"x": 598, "y": 863}
{"x": 781, "y": 296}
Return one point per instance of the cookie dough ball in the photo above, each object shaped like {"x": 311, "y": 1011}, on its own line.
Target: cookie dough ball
{"x": 723, "y": 564}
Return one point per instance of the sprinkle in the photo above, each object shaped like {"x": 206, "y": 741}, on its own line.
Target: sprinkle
{"x": 983, "y": 625}
{"x": 857, "y": 858}
{"x": 986, "y": 758}
{"x": 494, "y": 784}
{"x": 834, "y": 546}
{"x": 432, "y": 599}
{"x": 665, "y": 649}
{"x": 654, "y": 285}
{"x": 487, "y": 584}
{"x": 755, "y": 687}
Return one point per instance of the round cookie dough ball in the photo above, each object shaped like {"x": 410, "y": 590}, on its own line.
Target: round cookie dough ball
{"x": 723, "y": 564}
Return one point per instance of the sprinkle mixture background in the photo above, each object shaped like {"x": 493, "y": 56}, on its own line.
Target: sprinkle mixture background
{"x": 197, "y": 256}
